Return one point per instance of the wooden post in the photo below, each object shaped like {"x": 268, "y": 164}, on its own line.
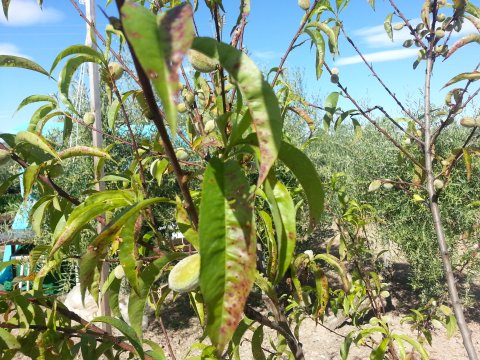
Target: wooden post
{"x": 95, "y": 107}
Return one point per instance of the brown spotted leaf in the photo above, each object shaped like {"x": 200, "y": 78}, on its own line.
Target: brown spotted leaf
{"x": 227, "y": 248}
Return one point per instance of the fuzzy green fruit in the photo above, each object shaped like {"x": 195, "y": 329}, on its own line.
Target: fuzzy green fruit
{"x": 335, "y": 71}
{"x": 201, "y": 62}
{"x": 439, "y": 33}
{"x": 4, "y": 156}
{"x": 334, "y": 78}
{"x": 438, "y": 184}
{"x": 189, "y": 98}
{"x": 304, "y": 4}
{"x": 184, "y": 277}
{"x": 181, "y": 108}
{"x": 89, "y": 118}
{"x": 119, "y": 272}
{"x": 209, "y": 126}
{"x": 398, "y": 26}
{"x": 441, "y": 17}
{"x": 470, "y": 122}
{"x": 181, "y": 154}
{"x": 115, "y": 70}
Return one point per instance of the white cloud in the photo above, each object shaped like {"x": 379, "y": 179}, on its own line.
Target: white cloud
{"x": 380, "y": 56}
{"x": 10, "y": 49}
{"x": 27, "y": 13}
{"x": 266, "y": 55}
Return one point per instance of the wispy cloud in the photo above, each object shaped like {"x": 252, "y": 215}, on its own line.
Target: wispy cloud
{"x": 379, "y": 56}
{"x": 375, "y": 37}
{"x": 28, "y": 13}
{"x": 265, "y": 55}
{"x": 10, "y": 49}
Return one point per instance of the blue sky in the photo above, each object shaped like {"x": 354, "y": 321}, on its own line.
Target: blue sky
{"x": 41, "y": 34}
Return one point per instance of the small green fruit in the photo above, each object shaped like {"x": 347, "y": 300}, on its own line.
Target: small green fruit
{"x": 438, "y": 184}
{"x": 335, "y": 71}
{"x": 441, "y": 17}
{"x": 304, "y": 4}
{"x": 398, "y": 26}
{"x": 201, "y": 62}
{"x": 408, "y": 43}
{"x": 189, "y": 98}
{"x": 181, "y": 108}
{"x": 439, "y": 33}
{"x": 334, "y": 78}
{"x": 209, "y": 126}
{"x": 388, "y": 186}
{"x": 89, "y": 118}
{"x": 115, "y": 70}
{"x": 470, "y": 122}
{"x": 181, "y": 154}
{"x": 184, "y": 277}
{"x": 119, "y": 272}
{"x": 4, "y": 156}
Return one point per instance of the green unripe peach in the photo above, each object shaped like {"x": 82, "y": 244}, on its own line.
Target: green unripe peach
{"x": 439, "y": 33}
{"x": 184, "y": 277}
{"x": 398, "y": 26}
{"x": 89, "y": 118}
{"x": 470, "y": 122}
{"x": 119, "y": 272}
{"x": 189, "y": 98}
{"x": 438, "y": 184}
{"x": 334, "y": 78}
{"x": 181, "y": 154}
{"x": 304, "y": 4}
{"x": 181, "y": 108}
{"x": 441, "y": 17}
{"x": 115, "y": 70}
{"x": 201, "y": 62}
{"x": 209, "y": 126}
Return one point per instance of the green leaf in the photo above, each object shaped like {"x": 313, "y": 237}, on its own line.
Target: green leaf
{"x": 261, "y": 100}
{"x": 338, "y": 267}
{"x": 283, "y": 213}
{"x": 78, "y": 49}
{"x": 29, "y": 177}
{"x": 83, "y": 151}
{"x": 66, "y": 76}
{"x": 38, "y": 115}
{"x": 93, "y": 206}
{"x": 468, "y": 163}
{"x": 387, "y": 24}
{"x": 321, "y": 286}
{"x": 330, "y": 106}
{"x": 331, "y": 35}
{"x": 416, "y": 345}
{"x": 136, "y": 302}
{"x": 20, "y": 62}
{"x": 37, "y": 141}
{"x": 158, "y": 168}
{"x": 8, "y": 341}
{"x": 124, "y": 329}
{"x": 126, "y": 253}
{"x": 307, "y": 175}
{"x": 257, "y": 340}
{"x": 5, "y": 5}
{"x": 157, "y": 352}
{"x": 472, "y": 76}
{"x": 227, "y": 248}
{"x": 317, "y": 39}
{"x": 372, "y": 3}
{"x": 160, "y": 42}
{"x": 7, "y": 183}
{"x": 462, "y": 42}
{"x": 185, "y": 226}
{"x": 36, "y": 98}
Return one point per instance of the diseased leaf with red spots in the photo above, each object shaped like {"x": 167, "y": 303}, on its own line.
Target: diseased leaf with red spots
{"x": 160, "y": 43}
{"x": 283, "y": 214}
{"x": 261, "y": 100}
{"x": 227, "y": 248}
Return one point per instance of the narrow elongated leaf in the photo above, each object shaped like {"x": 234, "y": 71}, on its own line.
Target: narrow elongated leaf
{"x": 331, "y": 35}
{"x": 372, "y": 3}
{"x": 468, "y": 163}
{"x": 7, "y": 183}
{"x": 36, "y": 98}
{"x": 126, "y": 253}
{"x": 227, "y": 248}
{"x": 307, "y": 175}
{"x": 462, "y": 42}
{"x": 66, "y": 76}
{"x": 283, "y": 213}
{"x": 387, "y": 24}
{"x": 185, "y": 226}
{"x": 321, "y": 285}
{"x": 157, "y": 352}
{"x": 38, "y": 212}
{"x": 472, "y": 76}
{"x": 92, "y": 207}
{"x": 160, "y": 42}
{"x": 35, "y": 140}
{"x": 8, "y": 341}
{"x": 20, "y": 62}
{"x": 29, "y": 177}
{"x": 136, "y": 302}
{"x": 126, "y": 330}
{"x": 261, "y": 100}
{"x": 38, "y": 115}
{"x": 83, "y": 151}
{"x": 5, "y": 5}
{"x": 338, "y": 267}
{"x": 330, "y": 106}
{"x": 77, "y": 49}
{"x": 317, "y": 39}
